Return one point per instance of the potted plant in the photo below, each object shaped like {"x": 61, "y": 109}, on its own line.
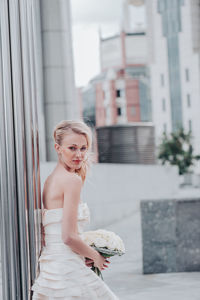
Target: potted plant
{"x": 177, "y": 149}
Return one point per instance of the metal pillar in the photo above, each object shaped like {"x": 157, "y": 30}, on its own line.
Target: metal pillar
{"x": 19, "y": 148}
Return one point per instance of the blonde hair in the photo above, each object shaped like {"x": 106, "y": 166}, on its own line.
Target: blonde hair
{"x": 78, "y": 127}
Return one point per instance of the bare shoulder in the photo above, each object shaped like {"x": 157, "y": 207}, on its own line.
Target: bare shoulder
{"x": 71, "y": 186}
{"x": 71, "y": 180}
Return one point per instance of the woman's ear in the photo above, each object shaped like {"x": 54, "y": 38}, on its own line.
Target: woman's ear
{"x": 57, "y": 147}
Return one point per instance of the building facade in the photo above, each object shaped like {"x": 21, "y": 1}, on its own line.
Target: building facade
{"x": 59, "y": 95}
{"x": 120, "y": 94}
{"x": 173, "y": 30}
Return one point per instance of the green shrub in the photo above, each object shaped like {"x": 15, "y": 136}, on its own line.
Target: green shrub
{"x": 178, "y": 150}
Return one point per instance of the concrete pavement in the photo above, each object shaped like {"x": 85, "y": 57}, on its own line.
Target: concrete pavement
{"x": 124, "y": 275}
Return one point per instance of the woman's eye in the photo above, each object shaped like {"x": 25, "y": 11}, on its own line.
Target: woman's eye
{"x": 72, "y": 148}
{"x": 83, "y": 148}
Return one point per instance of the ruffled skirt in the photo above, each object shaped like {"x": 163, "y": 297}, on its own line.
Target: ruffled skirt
{"x": 64, "y": 276}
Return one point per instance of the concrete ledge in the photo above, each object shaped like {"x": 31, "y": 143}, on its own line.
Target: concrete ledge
{"x": 170, "y": 235}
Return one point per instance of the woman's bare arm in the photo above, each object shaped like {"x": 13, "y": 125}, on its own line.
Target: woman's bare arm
{"x": 72, "y": 190}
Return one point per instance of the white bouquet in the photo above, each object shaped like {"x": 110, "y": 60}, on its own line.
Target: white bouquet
{"x": 107, "y": 243}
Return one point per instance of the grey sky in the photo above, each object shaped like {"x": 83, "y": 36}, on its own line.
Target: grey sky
{"x": 96, "y": 11}
{"x": 87, "y": 17}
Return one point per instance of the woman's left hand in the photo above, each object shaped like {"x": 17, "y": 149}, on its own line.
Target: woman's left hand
{"x": 89, "y": 262}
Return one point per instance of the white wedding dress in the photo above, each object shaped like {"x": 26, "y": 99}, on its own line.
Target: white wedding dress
{"x": 63, "y": 274}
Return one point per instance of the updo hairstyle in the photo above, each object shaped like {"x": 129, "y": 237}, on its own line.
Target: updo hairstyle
{"x": 63, "y": 128}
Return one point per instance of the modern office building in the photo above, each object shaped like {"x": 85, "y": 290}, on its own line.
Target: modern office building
{"x": 173, "y": 30}
{"x": 120, "y": 94}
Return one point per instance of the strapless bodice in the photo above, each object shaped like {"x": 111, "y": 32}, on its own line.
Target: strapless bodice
{"x": 52, "y": 222}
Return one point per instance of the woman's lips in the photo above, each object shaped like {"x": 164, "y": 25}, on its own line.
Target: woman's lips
{"x": 77, "y": 161}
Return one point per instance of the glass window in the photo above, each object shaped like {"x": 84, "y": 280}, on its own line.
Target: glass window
{"x": 118, "y": 93}
{"x": 162, "y": 79}
{"x": 165, "y": 128}
{"x": 119, "y": 111}
{"x": 190, "y": 125}
{"x": 163, "y": 104}
{"x": 188, "y": 100}
{"x": 187, "y": 75}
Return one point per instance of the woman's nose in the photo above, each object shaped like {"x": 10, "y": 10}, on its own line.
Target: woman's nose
{"x": 78, "y": 152}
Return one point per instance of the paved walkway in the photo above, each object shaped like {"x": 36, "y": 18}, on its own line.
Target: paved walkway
{"x": 124, "y": 275}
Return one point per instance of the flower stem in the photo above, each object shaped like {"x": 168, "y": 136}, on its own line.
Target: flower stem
{"x": 97, "y": 271}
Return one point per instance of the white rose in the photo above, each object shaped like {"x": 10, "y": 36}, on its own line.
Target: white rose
{"x": 104, "y": 238}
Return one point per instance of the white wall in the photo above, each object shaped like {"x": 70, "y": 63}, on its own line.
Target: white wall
{"x": 113, "y": 191}
{"x": 58, "y": 70}
{"x": 111, "y": 52}
{"x": 159, "y": 65}
{"x": 136, "y": 49}
{"x": 189, "y": 59}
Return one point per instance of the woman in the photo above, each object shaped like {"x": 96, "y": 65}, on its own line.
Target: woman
{"x": 64, "y": 272}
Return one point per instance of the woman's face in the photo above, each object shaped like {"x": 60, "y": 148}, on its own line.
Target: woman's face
{"x": 73, "y": 150}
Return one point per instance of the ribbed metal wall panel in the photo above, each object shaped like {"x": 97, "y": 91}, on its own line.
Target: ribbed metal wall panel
{"x": 131, "y": 143}
{"x": 20, "y": 203}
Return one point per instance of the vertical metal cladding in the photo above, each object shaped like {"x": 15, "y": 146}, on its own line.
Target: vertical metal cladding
{"x": 130, "y": 143}
{"x": 171, "y": 14}
{"x": 19, "y": 149}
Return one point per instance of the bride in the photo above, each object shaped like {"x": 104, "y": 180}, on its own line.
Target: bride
{"x": 64, "y": 270}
